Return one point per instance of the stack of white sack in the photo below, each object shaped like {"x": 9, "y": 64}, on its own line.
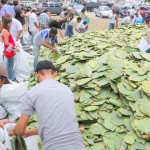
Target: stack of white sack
{"x": 11, "y": 97}
{"x": 5, "y": 139}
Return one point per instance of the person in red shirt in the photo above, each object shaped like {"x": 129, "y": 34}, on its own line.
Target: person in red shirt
{"x": 8, "y": 41}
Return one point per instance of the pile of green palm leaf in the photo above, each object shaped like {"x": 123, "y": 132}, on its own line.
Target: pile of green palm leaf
{"x": 110, "y": 79}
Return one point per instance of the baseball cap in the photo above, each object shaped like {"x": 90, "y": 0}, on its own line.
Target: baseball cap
{"x": 45, "y": 64}
{"x": 3, "y": 72}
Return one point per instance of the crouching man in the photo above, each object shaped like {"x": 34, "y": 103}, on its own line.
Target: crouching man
{"x": 47, "y": 38}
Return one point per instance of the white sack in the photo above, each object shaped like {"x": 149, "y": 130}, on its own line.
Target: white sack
{"x": 3, "y": 112}
{"x": 2, "y": 147}
{"x": 24, "y": 66}
{"x": 143, "y": 45}
{"x": 11, "y": 96}
{"x": 2, "y": 137}
{"x": 31, "y": 142}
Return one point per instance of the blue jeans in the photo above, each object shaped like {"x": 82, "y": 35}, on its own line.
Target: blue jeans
{"x": 36, "y": 50}
{"x": 70, "y": 30}
{"x": 148, "y": 50}
{"x": 111, "y": 26}
{"x": 10, "y": 68}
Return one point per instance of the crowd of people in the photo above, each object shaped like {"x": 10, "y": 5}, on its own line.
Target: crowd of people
{"x": 130, "y": 17}
{"x": 43, "y": 29}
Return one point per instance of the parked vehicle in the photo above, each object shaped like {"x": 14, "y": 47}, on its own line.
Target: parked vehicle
{"x": 144, "y": 11}
{"x": 25, "y": 4}
{"x": 92, "y": 5}
{"x": 34, "y": 4}
{"x": 54, "y": 8}
{"x": 77, "y": 9}
{"x": 102, "y": 11}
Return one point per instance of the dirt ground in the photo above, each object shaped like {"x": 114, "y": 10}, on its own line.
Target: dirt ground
{"x": 96, "y": 23}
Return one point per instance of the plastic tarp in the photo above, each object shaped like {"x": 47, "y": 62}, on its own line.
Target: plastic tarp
{"x": 24, "y": 65}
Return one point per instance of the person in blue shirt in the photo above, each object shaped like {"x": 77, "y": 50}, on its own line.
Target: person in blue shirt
{"x": 139, "y": 20}
{"x": 46, "y": 38}
{"x": 7, "y": 9}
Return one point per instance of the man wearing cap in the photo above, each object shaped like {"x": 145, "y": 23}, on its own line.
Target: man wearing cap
{"x": 53, "y": 102}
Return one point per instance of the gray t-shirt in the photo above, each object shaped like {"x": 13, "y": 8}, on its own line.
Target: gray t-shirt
{"x": 42, "y": 35}
{"x": 53, "y": 103}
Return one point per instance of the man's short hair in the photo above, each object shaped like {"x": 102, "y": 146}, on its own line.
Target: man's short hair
{"x": 45, "y": 10}
{"x": 34, "y": 10}
{"x": 15, "y": 3}
{"x": 79, "y": 18}
{"x": 133, "y": 7}
{"x": 83, "y": 10}
{"x": 65, "y": 9}
{"x": 63, "y": 20}
{"x": 53, "y": 30}
{"x": 3, "y": 1}
{"x": 147, "y": 21}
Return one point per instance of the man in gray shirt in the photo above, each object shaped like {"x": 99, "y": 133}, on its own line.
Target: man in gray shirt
{"x": 53, "y": 103}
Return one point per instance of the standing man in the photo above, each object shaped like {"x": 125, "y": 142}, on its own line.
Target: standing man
{"x": 46, "y": 38}
{"x": 44, "y": 20}
{"x": 20, "y": 16}
{"x": 63, "y": 14}
{"x": 33, "y": 24}
{"x": 112, "y": 21}
{"x": 19, "y": 13}
{"x": 7, "y": 9}
{"x": 53, "y": 102}
{"x": 74, "y": 23}
{"x": 133, "y": 11}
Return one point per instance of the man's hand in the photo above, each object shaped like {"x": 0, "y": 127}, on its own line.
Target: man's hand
{"x": 3, "y": 122}
{"x": 30, "y": 132}
{"x": 53, "y": 49}
{"x": 27, "y": 133}
{"x": 11, "y": 132}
